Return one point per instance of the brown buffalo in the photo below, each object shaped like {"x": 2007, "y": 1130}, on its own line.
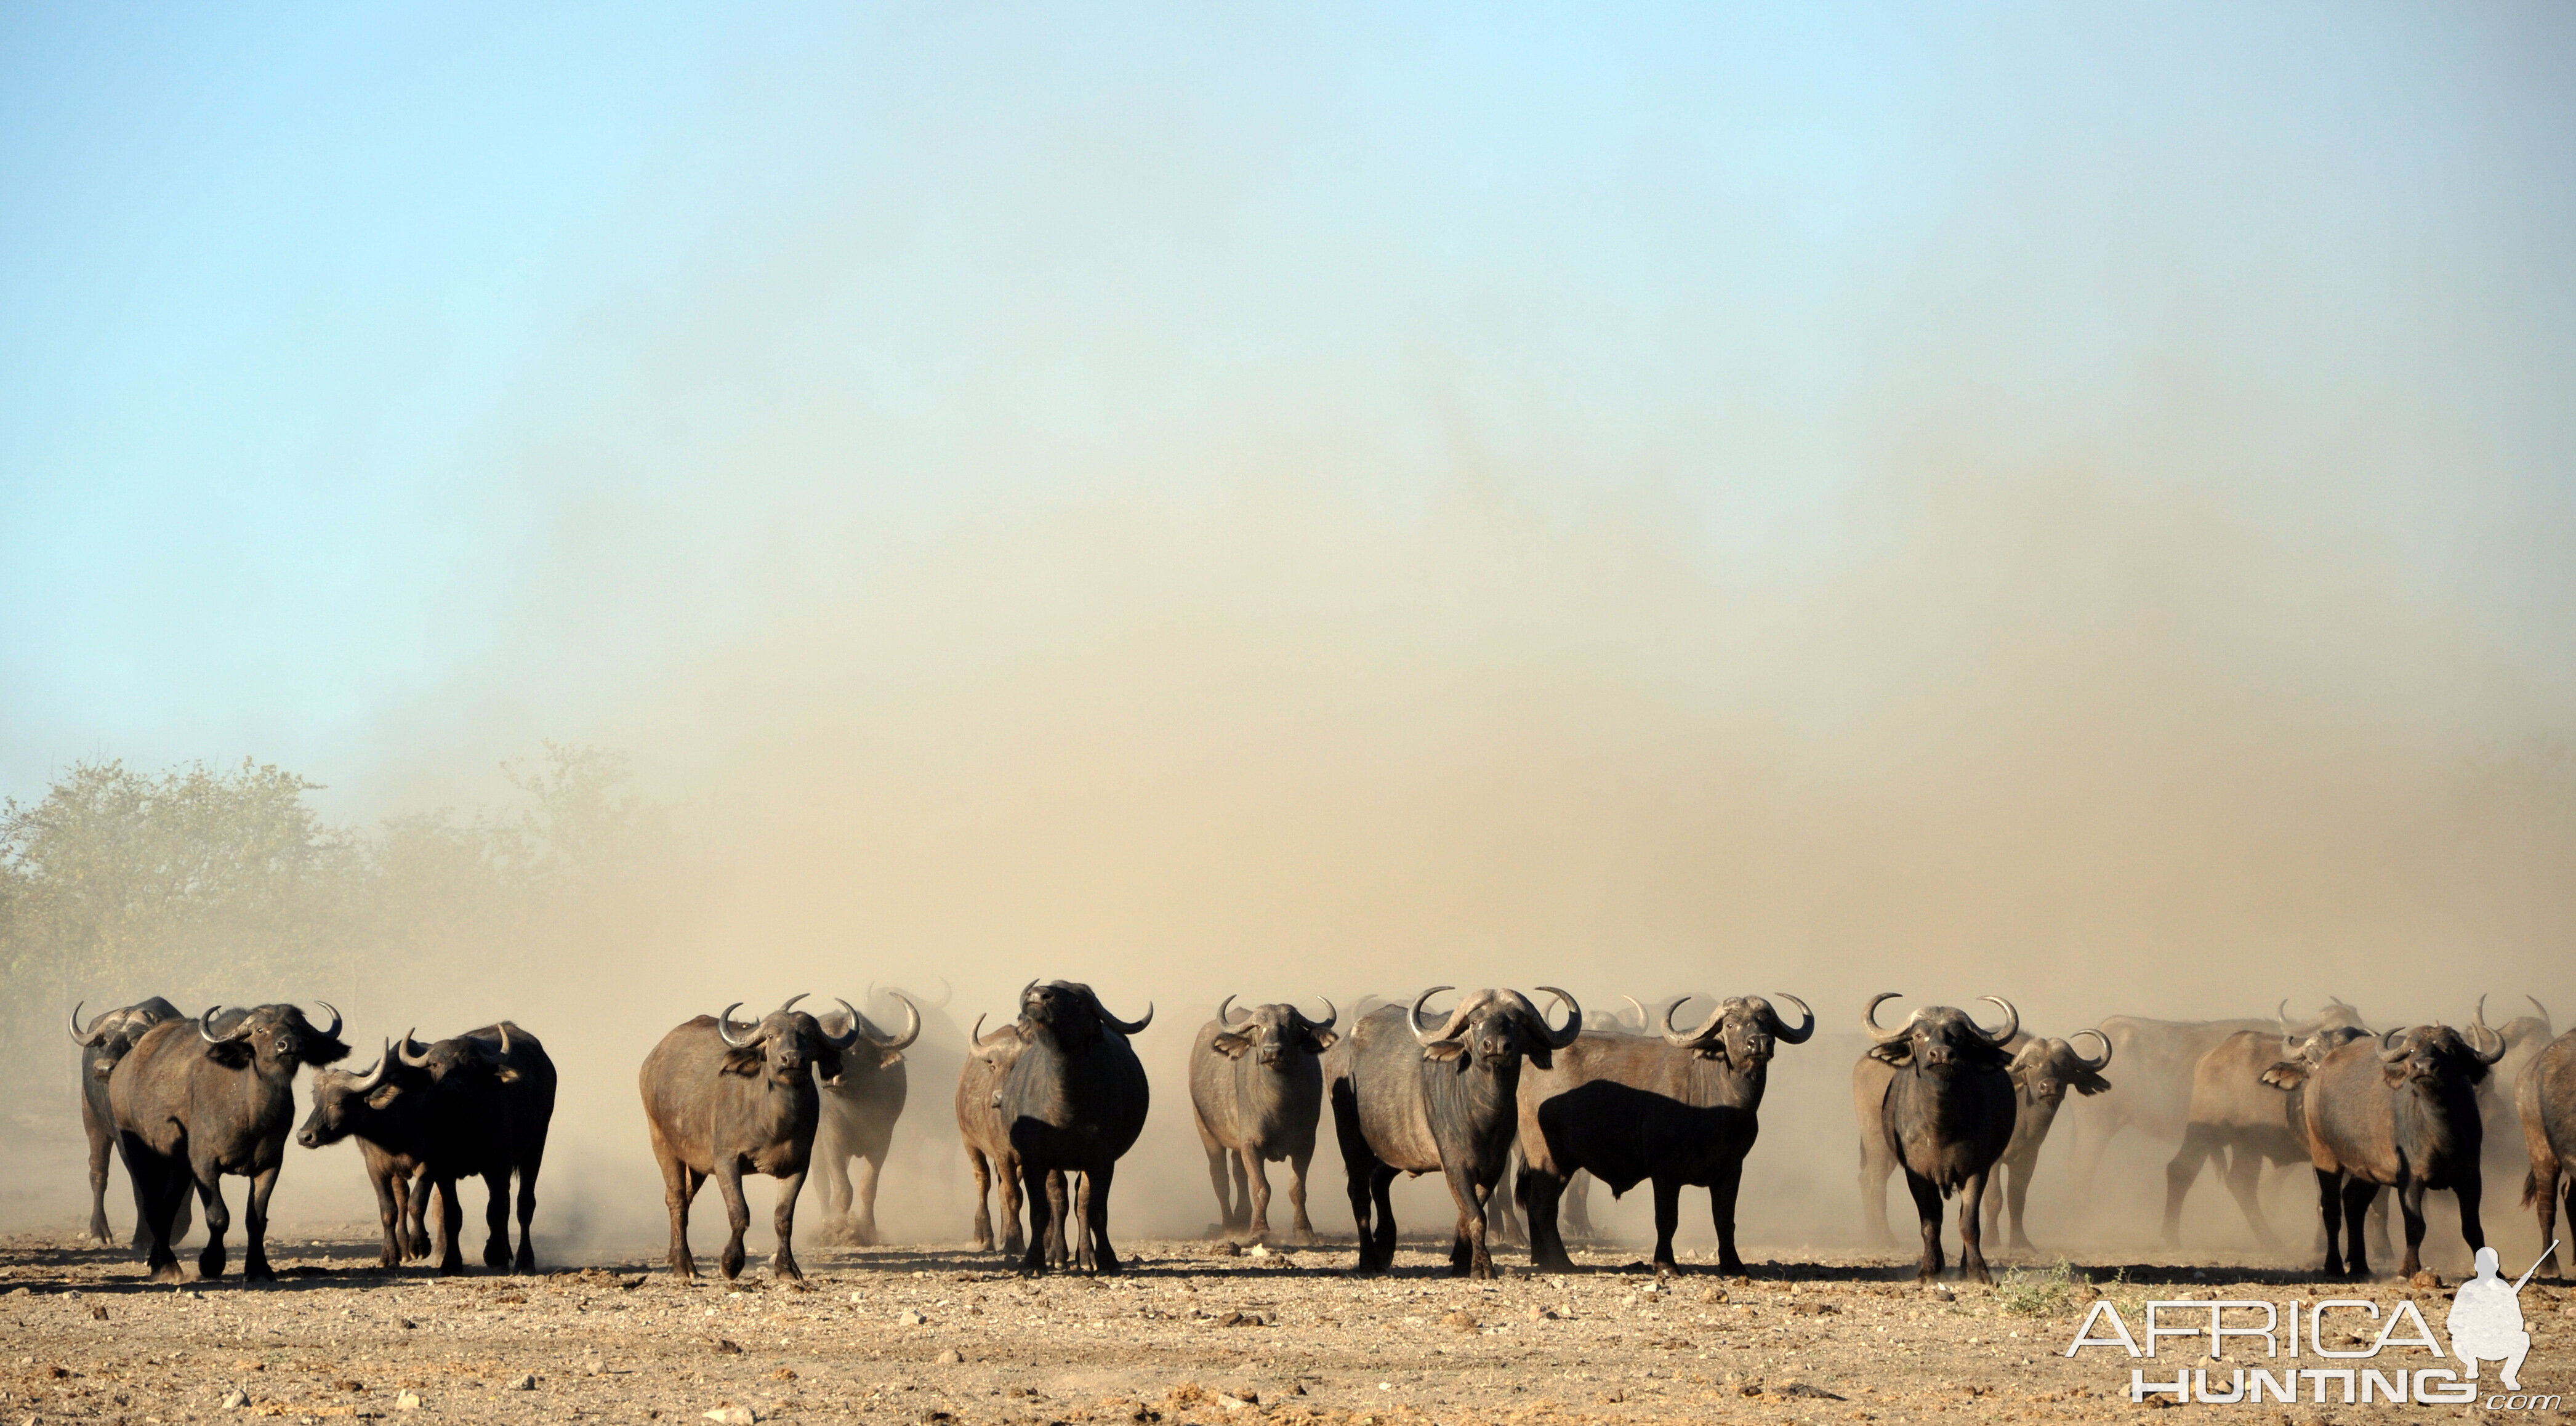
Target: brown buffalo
{"x": 105, "y": 1042}
{"x": 1256, "y": 1094}
{"x": 2545, "y": 1094}
{"x": 987, "y": 1138}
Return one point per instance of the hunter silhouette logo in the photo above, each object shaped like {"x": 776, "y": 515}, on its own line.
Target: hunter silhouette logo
{"x": 2485, "y": 1325}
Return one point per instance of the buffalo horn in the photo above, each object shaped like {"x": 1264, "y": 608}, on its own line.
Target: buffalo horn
{"x": 1869, "y": 1018}
{"x": 79, "y": 1036}
{"x": 1695, "y": 1037}
{"x": 724, "y": 1027}
{"x": 1413, "y": 1017}
{"x": 1023, "y": 1000}
{"x": 2480, "y": 1023}
{"x": 790, "y": 1002}
{"x": 1123, "y": 1027}
{"x": 2281, "y": 1013}
{"x": 1225, "y": 1012}
{"x": 2389, "y": 1056}
{"x": 857, "y": 1028}
{"x": 1332, "y": 1016}
{"x": 2096, "y": 1066}
{"x": 206, "y": 1022}
{"x": 1559, "y": 1039}
{"x": 505, "y": 1039}
{"x": 360, "y": 1084}
{"x": 335, "y": 1018}
{"x": 911, "y": 1023}
{"x": 404, "y": 1053}
{"x": 1644, "y": 1021}
{"x": 2536, "y": 1005}
{"x": 1780, "y": 1030}
{"x": 2012, "y": 1021}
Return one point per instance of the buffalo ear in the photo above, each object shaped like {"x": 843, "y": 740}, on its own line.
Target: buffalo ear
{"x": 747, "y": 1063}
{"x": 510, "y": 1076}
{"x": 2091, "y": 1084}
{"x": 1321, "y": 1040}
{"x": 384, "y": 1095}
{"x": 1230, "y": 1045}
{"x": 1894, "y": 1052}
{"x": 1443, "y": 1050}
{"x": 102, "y": 1069}
{"x": 888, "y": 1059}
{"x": 2288, "y": 1074}
{"x": 1541, "y": 1056}
{"x": 321, "y": 1051}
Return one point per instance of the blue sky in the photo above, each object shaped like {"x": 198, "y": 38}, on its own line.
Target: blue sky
{"x": 383, "y": 389}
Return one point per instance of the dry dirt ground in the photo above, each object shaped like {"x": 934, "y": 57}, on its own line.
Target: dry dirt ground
{"x": 1192, "y": 1334}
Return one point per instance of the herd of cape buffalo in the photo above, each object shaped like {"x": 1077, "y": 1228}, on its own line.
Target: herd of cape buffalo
{"x": 1487, "y": 1092}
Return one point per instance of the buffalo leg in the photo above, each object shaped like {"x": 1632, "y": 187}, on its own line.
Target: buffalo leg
{"x": 1219, "y": 1158}
{"x": 2379, "y": 1244}
{"x": 1257, "y": 1176}
{"x": 389, "y": 1215}
{"x": 99, "y": 1144}
{"x": 1381, "y": 1181}
{"x": 1578, "y": 1205}
{"x": 210, "y": 1189}
{"x": 2244, "y": 1183}
{"x": 728, "y": 1177}
{"x": 1007, "y": 1169}
{"x": 1044, "y": 1200}
{"x": 1721, "y": 1212}
{"x": 1502, "y": 1215}
{"x": 1972, "y": 1232}
{"x": 526, "y": 1261}
{"x": 2199, "y": 1144}
{"x": 451, "y": 1225}
{"x": 2410, "y": 1202}
{"x": 680, "y": 1184}
{"x": 1305, "y": 1226}
{"x": 782, "y": 1221}
{"x": 2540, "y": 1191}
{"x": 416, "y": 1244}
{"x": 1540, "y": 1192}
{"x": 2466, "y": 1187}
{"x": 255, "y": 1226}
{"x": 832, "y": 1166}
{"x": 1095, "y": 1215}
{"x": 1668, "y": 1220}
{"x": 983, "y": 1170}
{"x": 1927, "y": 1209}
{"x": 1875, "y": 1166}
{"x": 1242, "y": 1221}
{"x": 2330, "y": 1216}
{"x": 164, "y": 1185}
{"x": 2356, "y": 1203}
{"x": 496, "y": 1220}
{"x": 1469, "y": 1196}
{"x": 864, "y": 1196}
{"x": 2016, "y": 1196}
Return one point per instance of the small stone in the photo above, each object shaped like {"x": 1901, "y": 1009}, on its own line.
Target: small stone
{"x": 2426, "y": 1278}
{"x": 526, "y": 1382}
{"x": 733, "y": 1416}
{"x": 407, "y": 1401}
{"x": 1462, "y": 1321}
{"x": 594, "y": 1367}
{"x": 1712, "y": 1294}
{"x": 910, "y": 1318}
{"x": 1230, "y": 1401}
{"x": 950, "y": 1358}
{"x": 728, "y": 1347}
{"x": 1260, "y": 1250}
{"x": 1228, "y": 1250}
{"x": 98, "y": 1313}
{"x": 235, "y": 1399}
{"x": 858, "y": 1297}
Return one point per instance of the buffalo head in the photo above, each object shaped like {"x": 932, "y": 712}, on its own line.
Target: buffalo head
{"x": 787, "y": 1044}
{"x": 888, "y": 1049}
{"x": 1936, "y": 1039}
{"x": 1740, "y": 1031}
{"x": 1273, "y": 1031}
{"x": 1490, "y": 1027}
{"x": 276, "y": 1039}
{"x": 1073, "y": 1013}
{"x": 2043, "y": 1070}
{"x": 343, "y": 1101}
{"x": 2430, "y": 1054}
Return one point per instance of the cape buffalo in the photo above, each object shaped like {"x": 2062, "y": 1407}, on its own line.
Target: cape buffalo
{"x": 1679, "y": 1109}
{"x": 1072, "y": 1103}
{"x": 1256, "y": 1093}
{"x": 2042, "y": 1071}
{"x": 494, "y": 1101}
{"x": 2545, "y": 1093}
{"x": 2239, "y": 1112}
{"x": 1946, "y": 1115}
{"x": 2401, "y": 1115}
{"x": 106, "y": 1041}
{"x": 987, "y": 1138}
{"x": 191, "y": 1105}
{"x": 385, "y": 1108}
{"x": 859, "y": 1114}
{"x": 1442, "y": 1100}
{"x": 721, "y": 1105}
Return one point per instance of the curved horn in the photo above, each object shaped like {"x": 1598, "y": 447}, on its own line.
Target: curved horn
{"x": 1413, "y": 1017}
{"x": 2095, "y": 1066}
{"x": 81, "y": 1037}
{"x": 1332, "y": 1015}
{"x": 1644, "y": 1020}
{"x": 2479, "y": 1022}
{"x": 1123, "y": 1027}
{"x": 1559, "y": 1039}
{"x": 1021, "y": 1001}
{"x": 335, "y": 1019}
{"x": 206, "y": 1022}
{"x": 2012, "y": 1021}
{"x": 851, "y": 1036}
{"x": 1869, "y": 1018}
{"x": 724, "y": 1027}
{"x": 947, "y": 993}
{"x": 1695, "y": 1037}
{"x": 1780, "y": 1030}
{"x": 505, "y": 1039}
{"x": 2543, "y": 1009}
{"x": 790, "y": 1002}
{"x": 375, "y": 1075}
{"x": 404, "y": 1053}
{"x": 911, "y": 1023}
{"x": 2281, "y": 1013}
{"x": 2389, "y": 1056}
{"x": 1224, "y": 1012}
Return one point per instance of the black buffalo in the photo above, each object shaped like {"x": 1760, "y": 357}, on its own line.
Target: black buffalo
{"x": 1679, "y": 1109}
{"x": 496, "y": 1086}
{"x": 106, "y": 1041}
{"x": 385, "y": 1107}
{"x": 721, "y": 1105}
{"x": 2399, "y": 1112}
{"x": 1946, "y": 1115}
{"x": 2545, "y": 1094}
{"x": 1256, "y": 1094}
{"x": 1072, "y": 1103}
{"x": 191, "y": 1105}
{"x": 2043, "y": 1072}
{"x": 1408, "y": 1098}
{"x": 859, "y": 1114}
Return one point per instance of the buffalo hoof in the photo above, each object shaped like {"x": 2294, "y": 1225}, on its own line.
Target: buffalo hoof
{"x": 526, "y": 1263}
{"x": 169, "y": 1272}
{"x": 258, "y": 1272}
